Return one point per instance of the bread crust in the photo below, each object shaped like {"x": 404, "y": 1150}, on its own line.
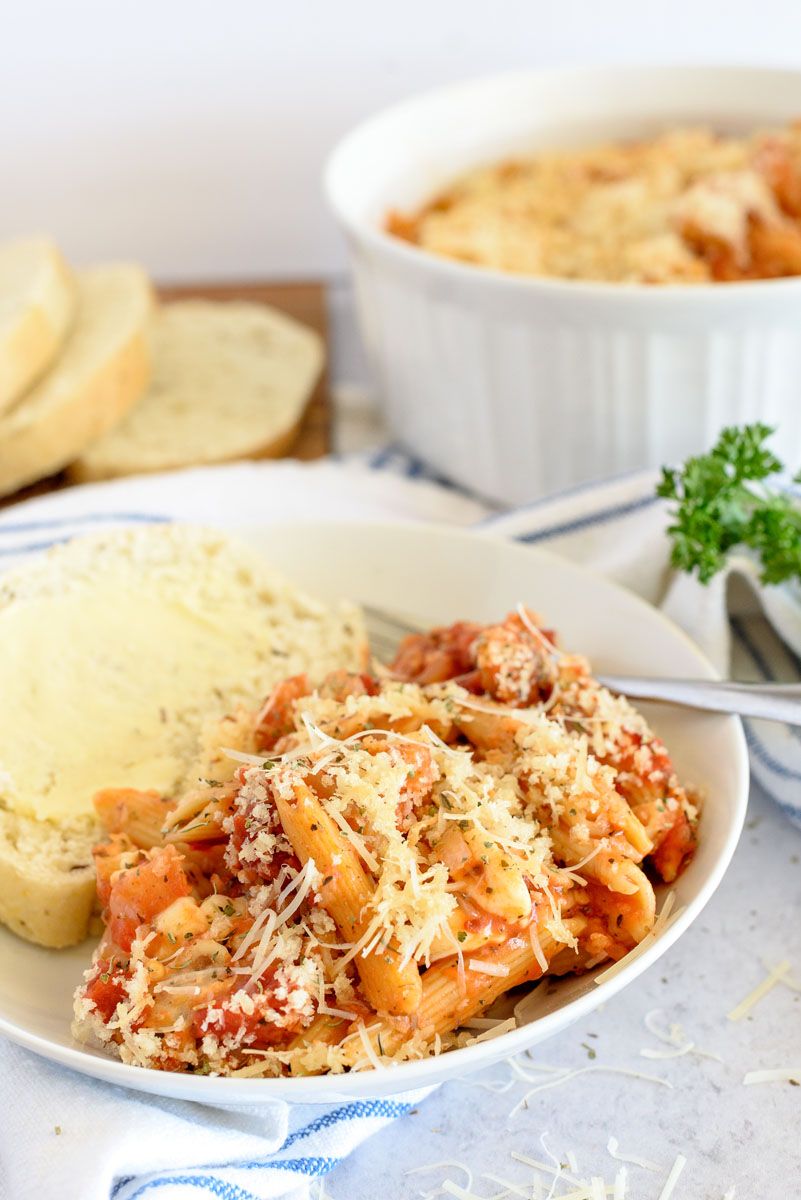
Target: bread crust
{"x": 46, "y": 898}
{"x": 31, "y": 343}
{"x": 37, "y": 439}
{"x": 87, "y": 470}
{"x": 47, "y": 877}
{"x": 231, "y": 380}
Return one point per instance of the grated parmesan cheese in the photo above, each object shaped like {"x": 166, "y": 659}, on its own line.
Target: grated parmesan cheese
{"x": 776, "y": 1075}
{"x": 487, "y": 968}
{"x": 775, "y": 975}
{"x": 566, "y": 1076}
{"x": 634, "y": 1159}
{"x": 675, "y": 1171}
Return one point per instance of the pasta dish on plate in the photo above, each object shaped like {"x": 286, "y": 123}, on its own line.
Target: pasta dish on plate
{"x": 361, "y": 868}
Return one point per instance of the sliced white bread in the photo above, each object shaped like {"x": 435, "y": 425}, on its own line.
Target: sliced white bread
{"x": 47, "y": 878}
{"x": 38, "y": 298}
{"x": 230, "y": 380}
{"x": 99, "y": 375}
{"x": 114, "y": 649}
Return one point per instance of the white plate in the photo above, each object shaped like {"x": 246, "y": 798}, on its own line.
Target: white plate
{"x": 436, "y": 575}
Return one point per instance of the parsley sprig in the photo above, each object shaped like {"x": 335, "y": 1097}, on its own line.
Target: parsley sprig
{"x": 723, "y": 502}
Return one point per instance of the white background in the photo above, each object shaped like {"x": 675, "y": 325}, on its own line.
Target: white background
{"x": 190, "y": 134}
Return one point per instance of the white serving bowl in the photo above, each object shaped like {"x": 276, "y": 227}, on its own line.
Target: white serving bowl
{"x": 518, "y": 387}
{"x": 431, "y": 575}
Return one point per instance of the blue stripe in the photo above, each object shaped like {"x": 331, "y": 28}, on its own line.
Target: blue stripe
{"x": 762, "y": 663}
{"x": 579, "y": 489}
{"x": 596, "y": 518}
{"x": 207, "y": 1183}
{"x": 313, "y": 1165}
{"x": 85, "y": 518}
{"x": 793, "y": 657}
{"x": 380, "y": 459}
{"x": 748, "y": 643}
{"x": 763, "y": 756}
{"x": 793, "y": 813}
{"x": 756, "y": 654}
{"x": 349, "y": 1112}
{"x": 29, "y": 547}
{"x": 394, "y": 458}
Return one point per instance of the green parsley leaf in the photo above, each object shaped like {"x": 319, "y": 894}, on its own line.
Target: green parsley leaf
{"x": 722, "y": 502}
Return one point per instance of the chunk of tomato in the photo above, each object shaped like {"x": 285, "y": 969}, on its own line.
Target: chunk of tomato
{"x": 143, "y": 891}
{"x": 106, "y": 989}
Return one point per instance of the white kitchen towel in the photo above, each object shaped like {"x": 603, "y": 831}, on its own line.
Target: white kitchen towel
{"x": 748, "y": 631}
{"x": 239, "y": 494}
{"x": 69, "y": 1138}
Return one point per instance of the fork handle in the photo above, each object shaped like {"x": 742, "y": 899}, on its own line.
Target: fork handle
{"x": 768, "y": 701}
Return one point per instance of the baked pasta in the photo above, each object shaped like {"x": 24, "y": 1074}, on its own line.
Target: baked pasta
{"x": 688, "y": 206}
{"x": 365, "y": 866}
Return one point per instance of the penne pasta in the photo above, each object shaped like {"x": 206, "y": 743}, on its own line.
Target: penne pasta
{"x": 450, "y": 996}
{"x": 345, "y": 893}
{"x": 140, "y": 815}
{"x": 488, "y": 875}
{"x": 406, "y": 854}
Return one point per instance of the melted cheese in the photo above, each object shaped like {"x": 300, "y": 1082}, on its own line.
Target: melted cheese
{"x": 721, "y": 204}
{"x": 104, "y": 689}
{"x": 115, "y": 648}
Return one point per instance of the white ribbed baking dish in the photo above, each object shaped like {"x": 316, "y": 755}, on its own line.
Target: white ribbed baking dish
{"x": 518, "y": 387}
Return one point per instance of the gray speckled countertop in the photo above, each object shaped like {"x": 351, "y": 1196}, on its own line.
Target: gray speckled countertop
{"x": 732, "y": 1136}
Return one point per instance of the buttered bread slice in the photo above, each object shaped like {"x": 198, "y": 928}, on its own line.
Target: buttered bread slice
{"x": 100, "y": 373}
{"x": 230, "y": 380}
{"x": 114, "y": 649}
{"x": 38, "y": 299}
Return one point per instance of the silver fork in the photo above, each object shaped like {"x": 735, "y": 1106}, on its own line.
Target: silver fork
{"x": 768, "y": 701}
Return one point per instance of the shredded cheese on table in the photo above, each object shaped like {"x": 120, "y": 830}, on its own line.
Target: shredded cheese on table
{"x": 567, "y": 1076}
{"x": 775, "y": 1075}
{"x": 778, "y": 974}
{"x": 675, "y": 1171}
{"x": 635, "y": 1159}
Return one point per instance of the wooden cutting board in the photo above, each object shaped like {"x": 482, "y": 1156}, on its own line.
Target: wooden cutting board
{"x": 305, "y": 302}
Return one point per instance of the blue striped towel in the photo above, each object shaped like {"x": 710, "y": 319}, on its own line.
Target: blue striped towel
{"x": 79, "y": 1139}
